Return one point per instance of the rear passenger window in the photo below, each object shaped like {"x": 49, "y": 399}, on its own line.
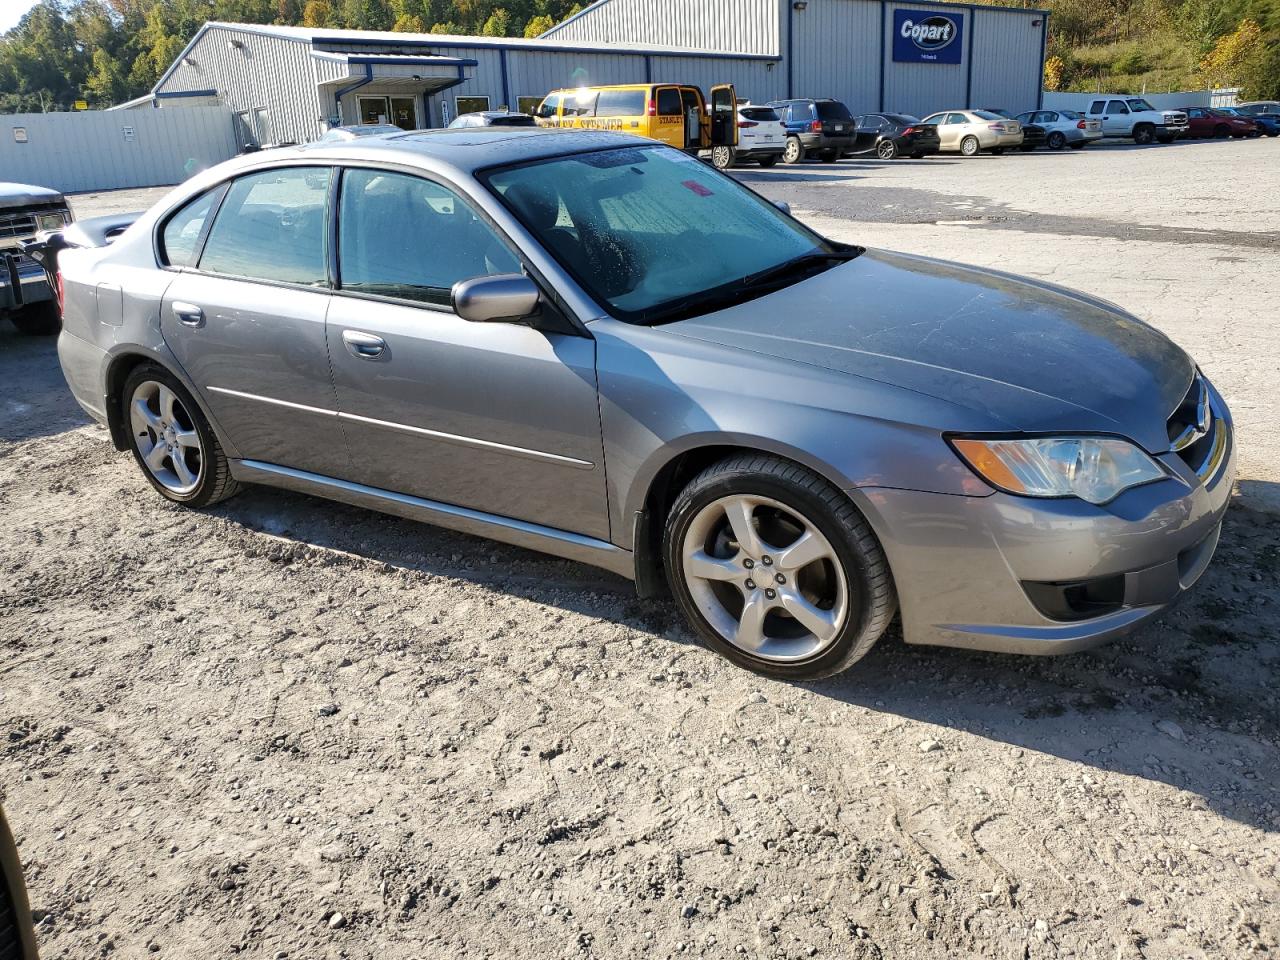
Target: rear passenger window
{"x": 405, "y": 237}
{"x": 1117, "y": 106}
{"x": 182, "y": 233}
{"x": 272, "y": 227}
{"x": 669, "y": 102}
{"x": 620, "y": 103}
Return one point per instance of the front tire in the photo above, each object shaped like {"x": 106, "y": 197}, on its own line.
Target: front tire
{"x": 776, "y": 569}
{"x": 172, "y": 441}
{"x": 794, "y": 151}
{"x": 1143, "y": 134}
{"x": 969, "y": 147}
{"x": 38, "y": 320}
{"x": 722, "y": 158}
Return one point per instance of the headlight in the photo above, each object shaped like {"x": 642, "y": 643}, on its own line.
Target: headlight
{"x": 51, "y": 221}
{"x": 1095, "y": 469}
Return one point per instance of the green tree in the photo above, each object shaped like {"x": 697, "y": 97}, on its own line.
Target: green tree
{"x": 538, "y": 26}
{"x": 497, "y": 24}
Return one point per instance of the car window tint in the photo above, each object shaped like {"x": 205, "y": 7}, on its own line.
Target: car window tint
{"x": 402, "y": 236}
{"x": 549, "y": 107}
{"x": 272, "y": 227}
{"x": 620, "y": 103}
{"x": 957, "y": 118}
{"x": 182, "y": 232}
{"x": 1098, "y": 106}
{"x": 833, "y": 110}
{"x": 669, "y": 102}
{"x": 1117, "y": 106}
{"x": 759, "y": 114}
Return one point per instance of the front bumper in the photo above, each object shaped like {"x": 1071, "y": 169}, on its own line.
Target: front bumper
{"x": 966, "y": 567}
{"x": 22, "y": 282}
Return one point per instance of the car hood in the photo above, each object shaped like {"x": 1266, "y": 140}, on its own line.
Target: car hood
{"x": 1028, "y": 354}
{"x": 25, "y": 195}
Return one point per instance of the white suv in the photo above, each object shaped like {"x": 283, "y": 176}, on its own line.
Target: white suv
{"x": 1135, "y": 118}
{"x": 762, "y": 136}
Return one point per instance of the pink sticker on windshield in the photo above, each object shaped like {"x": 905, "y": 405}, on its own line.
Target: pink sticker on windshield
{"x": 696, "y": 187}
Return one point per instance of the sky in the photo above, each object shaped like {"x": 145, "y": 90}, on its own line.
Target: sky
{"x": 11, "y": 12}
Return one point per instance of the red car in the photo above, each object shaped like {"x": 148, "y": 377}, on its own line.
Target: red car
{"x": 1208, "y": 122}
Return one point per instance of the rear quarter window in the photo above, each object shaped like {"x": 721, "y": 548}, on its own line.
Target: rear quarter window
{"x": 181, "y": 234}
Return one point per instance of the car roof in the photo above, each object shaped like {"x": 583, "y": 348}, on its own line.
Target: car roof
{"x": 465, "y": 149}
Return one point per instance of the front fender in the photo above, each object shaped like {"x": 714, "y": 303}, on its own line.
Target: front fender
{"x": 663, "y": 395}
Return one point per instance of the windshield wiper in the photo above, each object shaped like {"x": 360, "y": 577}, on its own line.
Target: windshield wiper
{"x": 796, "y": 264}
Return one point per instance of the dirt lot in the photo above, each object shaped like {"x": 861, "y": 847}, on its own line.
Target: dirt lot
{"x": 285, "y": 727}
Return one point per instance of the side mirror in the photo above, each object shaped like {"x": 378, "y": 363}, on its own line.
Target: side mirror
{"x": 783, "y": 206}
{"x": 504, "y": 298}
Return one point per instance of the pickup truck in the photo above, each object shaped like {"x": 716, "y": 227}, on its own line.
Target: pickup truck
{"x": 26, "y": 294}
{"x": 1135, "y": 118}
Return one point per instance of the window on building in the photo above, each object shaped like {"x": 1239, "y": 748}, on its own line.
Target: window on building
{"x": 471, "y": 104}
{"x": 621, "y": 103}
{"x": 181, "y": 235}
{"x": 405, "y": 237}
{"x": 271, "y": 226}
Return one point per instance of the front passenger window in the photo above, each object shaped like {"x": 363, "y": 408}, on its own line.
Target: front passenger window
{"x": 405, "y": 237}
{"x": 271, "y": 226}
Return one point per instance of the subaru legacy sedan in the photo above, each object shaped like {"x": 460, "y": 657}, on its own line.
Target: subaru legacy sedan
{"x": 597, "y": 346}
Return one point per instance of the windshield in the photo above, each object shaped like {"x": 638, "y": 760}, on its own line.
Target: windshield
{"x": 832, "y": 110}
{"x": 654, "y": 233}
{"x": 1138, "y": 104}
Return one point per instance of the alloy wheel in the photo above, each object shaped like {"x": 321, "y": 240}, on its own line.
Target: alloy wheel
{"x": 969, "y": 146}
{"x": 765, "y": 578}
{"x": 1057, "y": 141}
{"x": 886, "y": 150}
{"x": 722, "y": 157}
{"x": 166, "y": 437}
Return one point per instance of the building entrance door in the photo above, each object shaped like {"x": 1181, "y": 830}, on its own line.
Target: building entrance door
{"x": 402, "y": 111}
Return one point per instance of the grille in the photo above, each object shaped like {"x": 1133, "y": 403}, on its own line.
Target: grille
{"x": 1196, "y": 433}
{"x": 15, "y": 226}
{"x": 10, "y": 938}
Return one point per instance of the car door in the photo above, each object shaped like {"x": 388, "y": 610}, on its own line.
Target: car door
{"x": 245, "y": 316}
{"x": 497, "y": 417}
{"x": 867, "y": 132}
{"x": 1116, "y": 121}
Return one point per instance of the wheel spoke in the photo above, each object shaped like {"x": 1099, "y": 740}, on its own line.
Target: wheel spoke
{"x": 707, "y": 567}
{"x": 167, "y": 401}
{"x": 142, "y": 412}
{"x": 821, "y": 623}
{"x": 740, "y": 512}
{"x": 750, "y": 635}
{"x": 809, "y": 548}
{"x": 182, "y": 470}
{"x": 155, "y": 457}
{"x": 187, "y": 438}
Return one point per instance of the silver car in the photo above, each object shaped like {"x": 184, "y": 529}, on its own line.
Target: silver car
{"x": 596, "y": 346}
{"x": 969, "y": 132}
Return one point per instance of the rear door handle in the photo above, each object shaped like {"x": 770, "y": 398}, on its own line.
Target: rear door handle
{"x": 188, "y": 314}
{"x": 365, "y": 346}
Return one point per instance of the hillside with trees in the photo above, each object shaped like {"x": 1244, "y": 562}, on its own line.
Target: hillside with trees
{"x": 109, "y": 51}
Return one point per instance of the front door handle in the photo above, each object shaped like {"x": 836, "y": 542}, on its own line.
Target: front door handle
{"x": 188, "y": 314}
{"x": 365, "y": 346}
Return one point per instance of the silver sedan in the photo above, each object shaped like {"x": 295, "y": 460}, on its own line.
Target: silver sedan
{"x": 596, "y": 346}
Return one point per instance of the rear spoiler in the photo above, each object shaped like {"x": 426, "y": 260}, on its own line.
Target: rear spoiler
{"x": 83, "y": 234}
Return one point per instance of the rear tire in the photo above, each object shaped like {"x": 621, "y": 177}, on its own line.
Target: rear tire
{"x": 917, "y": 156}
{"x": 1222, "y": 131}
{"x": 767, "y": 162}
{"x": 886, "y": 150}
{"x": 1057, "y": 140}
{"x": 841, "y": 589}
{"x": 794, "y": 151}
{"x": 171, "y": 439}
{"x": 997, "y": 151}
{"x": 723, "y": 158}
{"x": 969, "y": 147}
{"x": 1079, "y": 146}
{"x": 38, "y": 320}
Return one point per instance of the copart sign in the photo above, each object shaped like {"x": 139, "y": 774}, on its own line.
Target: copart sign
{"x": 920, "y": 36}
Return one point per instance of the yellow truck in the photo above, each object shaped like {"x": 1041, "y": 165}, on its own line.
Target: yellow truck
{"x": 676, "y": 114}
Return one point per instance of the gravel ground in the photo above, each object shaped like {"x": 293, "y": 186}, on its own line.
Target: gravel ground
{"x": 285, "y": 727}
